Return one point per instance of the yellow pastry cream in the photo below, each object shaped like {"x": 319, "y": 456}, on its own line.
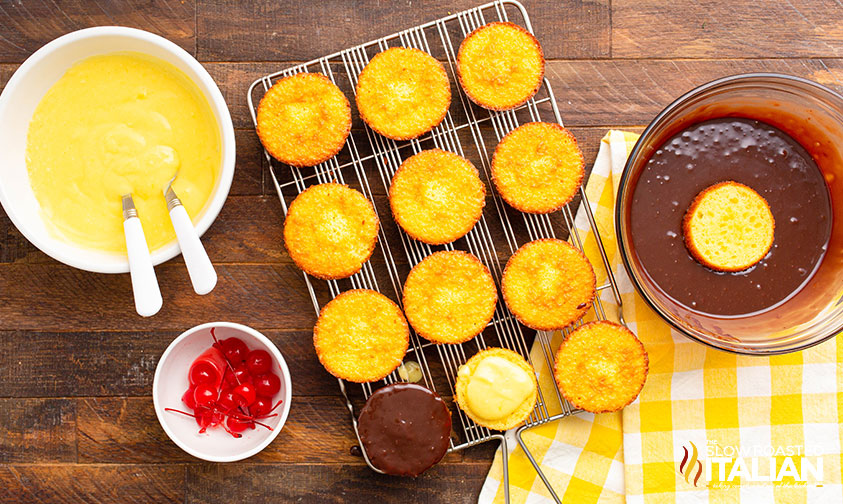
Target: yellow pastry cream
{"x": 496, "y": 388}
{"x": 116, "y": 124}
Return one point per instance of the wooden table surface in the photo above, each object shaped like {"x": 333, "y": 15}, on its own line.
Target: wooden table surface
{"x": 76, "y": 363}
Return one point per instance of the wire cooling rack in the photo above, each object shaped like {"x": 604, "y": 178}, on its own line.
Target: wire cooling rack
{"x": 465, "y": 130}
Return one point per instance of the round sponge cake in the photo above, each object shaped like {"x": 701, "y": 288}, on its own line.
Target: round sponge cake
{"x": 437, "y": 196}
{"x": 498, "y": 388}
{"x": 548, "y": 284}
{"x": 403, "y": 93}
{"x": 601, "y": 367}
{"x": 330, "y": 231}
{"x": 728, "y": 227}
{"x": 360, "y": 336}
{"x": 500, "y": 66}
{"x": 449, "y": 297}
{"x": 538, "y": 167}
{"x": 303, "y": 120}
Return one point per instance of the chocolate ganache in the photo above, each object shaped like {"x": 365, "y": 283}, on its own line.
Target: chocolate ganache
{"x": 757, "y": 155}
{"x": 405, "y": 429}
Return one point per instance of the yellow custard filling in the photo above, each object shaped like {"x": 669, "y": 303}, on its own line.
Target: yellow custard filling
{"x": 117, "y": 124}
{"x": 497, "y": 388}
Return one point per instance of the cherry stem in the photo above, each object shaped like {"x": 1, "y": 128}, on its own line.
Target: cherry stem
{"x": 236, "y": 435}
{"x": 262, "y": 424}
{"x": 225, "y": 357}
{"x": 191, "y": 415}
{"x": 214, "y": 336}
{"x": 276, "y": 405}
{"x": 227, "y": 363}
{"x": 252, "y": 419}
{"x": 231, "y": 413}
{"x": 246, "y": 416}
{"x": 173, "y": 410}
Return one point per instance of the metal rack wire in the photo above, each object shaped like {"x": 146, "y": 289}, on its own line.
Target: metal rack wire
{"x": 463, "y": 125}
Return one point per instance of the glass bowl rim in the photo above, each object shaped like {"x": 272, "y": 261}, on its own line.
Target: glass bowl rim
{"x": 624, "y": 181}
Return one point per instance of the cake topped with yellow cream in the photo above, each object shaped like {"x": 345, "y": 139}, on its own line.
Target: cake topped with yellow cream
{"x": 496, "y": 388}
{"x": 116, "y": 124}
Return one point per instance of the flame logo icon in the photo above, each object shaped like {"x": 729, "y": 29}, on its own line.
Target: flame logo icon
{"x": 687, "y": 466}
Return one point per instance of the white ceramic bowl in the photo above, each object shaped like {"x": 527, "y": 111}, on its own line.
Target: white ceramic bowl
{"x": 170, "y": 383}
{"x": 25, "y": 90}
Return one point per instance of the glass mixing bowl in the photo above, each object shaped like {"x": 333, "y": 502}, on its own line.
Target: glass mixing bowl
{"x": 813, "y": 115}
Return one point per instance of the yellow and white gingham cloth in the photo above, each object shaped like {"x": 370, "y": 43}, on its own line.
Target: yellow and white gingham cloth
{"x": 789, "y": 405}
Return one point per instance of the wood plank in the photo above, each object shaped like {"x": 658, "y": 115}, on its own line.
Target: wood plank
{"x": 250, "y": 230}
{"x": 116, "y": 430}
{"x": 239, "y": 214}
{"x": 249, "y": 167}
{"x": 598, "y": 93}
{"x": 588, "y": 139}
{"x": 29, "y": 25}
{"x": 57, "y": 323}
{"x": 80, "y": 364}
{"x": 39, "y": 364}
{"x": 291, "y": 31}
{"x": 248, "y": 180}
{"x": 74, "y": 300}
{"x": 73, "y": 364}
{"x": 70, "y": 484}
{"x": 13, "y": 245}
{"x": 716, "y": 29}
{"x": 235, "y": 79}
{"x": 319, "y": 430}
{"x": 224, "y": 483}
{"x": 126, "y": 430}
{"x": 632, "y": 92}
{"x": 59, "y": 298}
{"x": 37, "y": 431}
{"x": 6, "y": 71}
{"x": 482, "y": 453}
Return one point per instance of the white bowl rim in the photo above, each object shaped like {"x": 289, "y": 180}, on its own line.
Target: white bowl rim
{"x": 208, "y": 86}
{"x": 285, "y": 406}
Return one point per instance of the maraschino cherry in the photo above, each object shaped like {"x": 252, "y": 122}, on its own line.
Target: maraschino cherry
{"x": 231, "y": 387}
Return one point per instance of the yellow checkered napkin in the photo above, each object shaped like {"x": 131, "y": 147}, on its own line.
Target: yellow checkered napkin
{"x": 708, "y": 426}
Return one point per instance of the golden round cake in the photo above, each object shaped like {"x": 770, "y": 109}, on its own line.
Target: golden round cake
{"x": 538, "y": 167}
{"x": 548, "y": 284}
{"x": 449, "y": 297}
{"x": 360, "y": 336}
{"x": 500, "y": 66}
{"x": 728, "y": 227}
{"x": 403, "y": 93}
{"x": 303, "y": 120}
{"x": 496, "y": 388}
{"x": 437, "y": 196}
{"x": 601, "y": 367}
{"x": 330, "y": 230}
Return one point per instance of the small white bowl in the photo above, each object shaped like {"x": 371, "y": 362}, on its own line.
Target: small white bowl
{"x": 170, "y": 383}
{"x": 24, "y": 91}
